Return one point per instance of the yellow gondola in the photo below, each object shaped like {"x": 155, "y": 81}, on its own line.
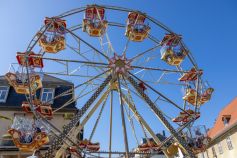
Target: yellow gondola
{"x": 52, "y": 46}
{"x": 23, "y": 87}
{"x": 88, "y": 145}
{"x": 94, "y": 23}
{"x": 172, "y": 56}
{"x": 173, "y": 149}
{"x": 191, "y": 94}
{"x": 136, "y": 30}
{"x": 145, "y": 147}
{"x": 44, "y": 109}
{"x": 38, "y": 140}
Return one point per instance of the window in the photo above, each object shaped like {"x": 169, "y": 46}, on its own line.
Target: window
{"x": 213, "y": 151}
{"x": 229, "y": 143}
{"x": 3, "y": 93}
{"x": 47, "y": 94}
{"x": 220, "y": 148}
{"x": 226, "y": 119}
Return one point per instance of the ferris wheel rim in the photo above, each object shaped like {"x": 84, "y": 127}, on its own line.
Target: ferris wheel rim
{"x": 31, "y": 46}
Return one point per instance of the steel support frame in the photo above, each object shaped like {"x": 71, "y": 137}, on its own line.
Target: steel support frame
{"x": 139, "y": 118}
{"x": 59, "y": 140}
{"x": 159, "y": 114}
{"x": 75, "y": 131}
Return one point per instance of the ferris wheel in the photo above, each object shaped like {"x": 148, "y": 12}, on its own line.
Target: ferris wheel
{"x": 132, "y": 74}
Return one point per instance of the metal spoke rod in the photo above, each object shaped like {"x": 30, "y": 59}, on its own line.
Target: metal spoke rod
{"x": 75, "y": 61}
{"x": 73, "y": 133}
{"x": 140, "y": 119}
{"x": 72, "y": 89}
{"x": 178, "y": 131}
{"x": 158, "y": 69}
{"x": 170, "y": 101}
{"x": 88, "y": 44}
{"x": 111, "y": 122}
{"x": 76, "y": 118}
{"x": 146, "y": 51}
{"x": 162, "y": 118}
{"x": 123, "y": 119}
{"x": 98, "y": 119}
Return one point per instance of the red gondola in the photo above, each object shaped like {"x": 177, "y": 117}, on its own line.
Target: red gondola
{"x": 34, "y": 60}
{"x": 136, "y": 30}
{"x": 184, "y": 117}
{"x": 43, "y": 108}
{"x": 171, "y": 40}
{"x": 86, "y": 144}
{"x": 52, "y": 46}
{"x": 151, "y": 145}
{"x": 56, "y": 25}
{"x": 191, "y": 75}
{"x": 94, "y": 23}
{"x": 191, "y": 95}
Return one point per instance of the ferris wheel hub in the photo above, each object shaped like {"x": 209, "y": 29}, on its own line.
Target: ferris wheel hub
{"x": 120, "y": 64}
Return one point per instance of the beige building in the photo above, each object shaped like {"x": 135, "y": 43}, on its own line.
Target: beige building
{"x": 10, "y": 106}
{"x": 224, "y": 134}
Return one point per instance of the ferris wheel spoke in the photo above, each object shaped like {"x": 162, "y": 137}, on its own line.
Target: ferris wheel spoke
{"x": 141, "y": 121}
{"x": 139, "y": 55}
{"x": 159, "y": 69}
{"x": 81, "y": 95}
{"x": 98, "y": 69}
{"x": 130, "y": 119}
{"x": 132, "y": 104}
{"x": 123, "y": 119}
{"x": 154, "y": 39}
{"x": 77, "y": 117}
{"x": 76, "y": 27}
{"x": 158, "y": 98}
{"x": 76, "y": 87}
{"x": 88, "y": 44}
{"x": 126, "y": 46}
{"x": 90, "y": 63}
{"x": 111, "y": 122}
{"x": 160, "y": 94}
{"x": 179, "y": 130}
{"x": 75, "y": 131}
{"x": 161, "y": 117}
{"x": 98, "y": 119}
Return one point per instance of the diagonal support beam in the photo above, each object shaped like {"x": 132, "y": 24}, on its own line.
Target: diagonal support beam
{"x": 139, "y": 118}
{"x": 159, "y": 114}
{"x": 75, "y": 131}
{"x": 58, "y": 141}
{"x": 123, "y": 119}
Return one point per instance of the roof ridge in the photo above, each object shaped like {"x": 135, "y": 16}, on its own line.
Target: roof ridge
{"x": 55, "y": 78}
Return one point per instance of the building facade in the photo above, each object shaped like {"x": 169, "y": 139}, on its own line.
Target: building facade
{"x": 10, "y": 106}
{"x": 224, "y": 134}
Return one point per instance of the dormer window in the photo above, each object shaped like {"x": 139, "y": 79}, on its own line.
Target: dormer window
{"x": 3, "y": 93}
{"x": 47, "y": 95}
{"x": 226, "y": 119}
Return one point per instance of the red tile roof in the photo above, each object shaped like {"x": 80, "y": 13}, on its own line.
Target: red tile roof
{"x": 219, "y": 127}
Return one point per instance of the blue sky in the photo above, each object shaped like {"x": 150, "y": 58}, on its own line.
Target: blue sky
{"x": 208, "y": 29}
